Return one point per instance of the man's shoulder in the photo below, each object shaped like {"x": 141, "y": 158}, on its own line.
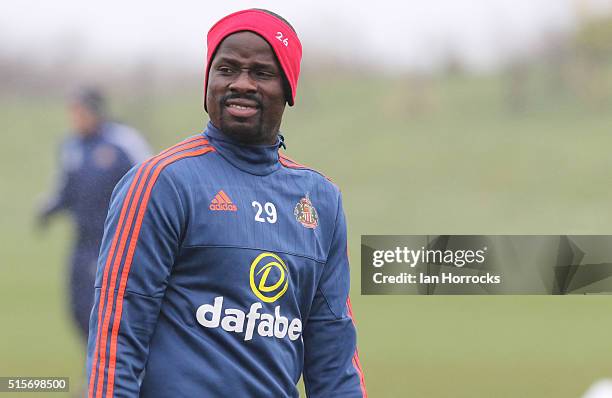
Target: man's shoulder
{"x": 128, "y": 140}
{"x": 123, "y": 132}
{"x": 176, "y": 161}
{"x": 173, "y": 166}
{"x": 71, "y": 152}
{"x": 308, "y": 171}
{"x": 69, "y": 141}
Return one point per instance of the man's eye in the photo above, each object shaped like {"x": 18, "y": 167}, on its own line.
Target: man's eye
{"x": 264, "y": 74}
{"x": 225, "y": 69}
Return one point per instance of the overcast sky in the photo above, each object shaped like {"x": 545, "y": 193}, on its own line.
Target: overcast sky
{"x": 390, "y": 33}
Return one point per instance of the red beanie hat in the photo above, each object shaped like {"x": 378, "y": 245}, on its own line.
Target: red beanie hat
{"x": 277, "y": 33}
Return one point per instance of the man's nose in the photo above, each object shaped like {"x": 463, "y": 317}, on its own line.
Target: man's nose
{"x": 243, "y": 83}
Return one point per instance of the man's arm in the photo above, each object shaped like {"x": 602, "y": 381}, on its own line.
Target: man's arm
{"x": 61, "y": 197}
{"x": 141, "y": 239}
{"x": 331, "y": 362}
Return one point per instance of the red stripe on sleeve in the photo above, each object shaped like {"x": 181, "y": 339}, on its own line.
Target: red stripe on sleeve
{"x": 121, "y": 232}
{"x": 356, "y": 362}
{"x": 130, "y": 256}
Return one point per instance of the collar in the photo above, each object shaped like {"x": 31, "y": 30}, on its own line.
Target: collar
{"x": 254, "y": 159}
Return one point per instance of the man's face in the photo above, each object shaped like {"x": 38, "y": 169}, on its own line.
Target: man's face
{"x": 245, "y": 96}
{"x": 83, "y": 120}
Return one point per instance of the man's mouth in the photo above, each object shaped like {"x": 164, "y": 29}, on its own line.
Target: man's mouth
{"x": 241, "y": 108}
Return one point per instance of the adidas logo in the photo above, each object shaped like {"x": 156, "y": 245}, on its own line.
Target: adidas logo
{"x": 222, "y": 202}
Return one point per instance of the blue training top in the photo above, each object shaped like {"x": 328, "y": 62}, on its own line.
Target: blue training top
{"x": 223, "y": 272}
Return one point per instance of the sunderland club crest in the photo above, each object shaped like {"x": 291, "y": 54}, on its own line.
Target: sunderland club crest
{"x": 306, "y": 213}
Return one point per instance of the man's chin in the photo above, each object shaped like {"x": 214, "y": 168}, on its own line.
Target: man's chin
{"x": 244, "y": 132}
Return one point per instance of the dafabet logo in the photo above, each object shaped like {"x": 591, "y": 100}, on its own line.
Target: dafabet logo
{"x": 270, "y": 288}
{"x": 269, "y": 280}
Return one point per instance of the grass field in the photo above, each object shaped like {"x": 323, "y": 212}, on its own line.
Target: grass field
{"x": 463, "y": 163}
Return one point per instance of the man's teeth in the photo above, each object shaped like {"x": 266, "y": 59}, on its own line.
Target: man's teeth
{"x": 240, "y": 106}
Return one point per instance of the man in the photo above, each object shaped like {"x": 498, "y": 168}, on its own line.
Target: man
{"x": 93, "y": 159}
{"x": 223, "y": 271}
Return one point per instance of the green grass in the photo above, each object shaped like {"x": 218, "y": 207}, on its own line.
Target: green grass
{"x": 460, "y": 162}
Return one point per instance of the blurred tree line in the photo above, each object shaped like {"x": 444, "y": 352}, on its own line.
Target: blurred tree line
{"x": 575, "y": 65}
{"x": 570, "y": 64}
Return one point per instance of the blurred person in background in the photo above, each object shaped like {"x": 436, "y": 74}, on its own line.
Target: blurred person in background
{"x": 93, "y": 158}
